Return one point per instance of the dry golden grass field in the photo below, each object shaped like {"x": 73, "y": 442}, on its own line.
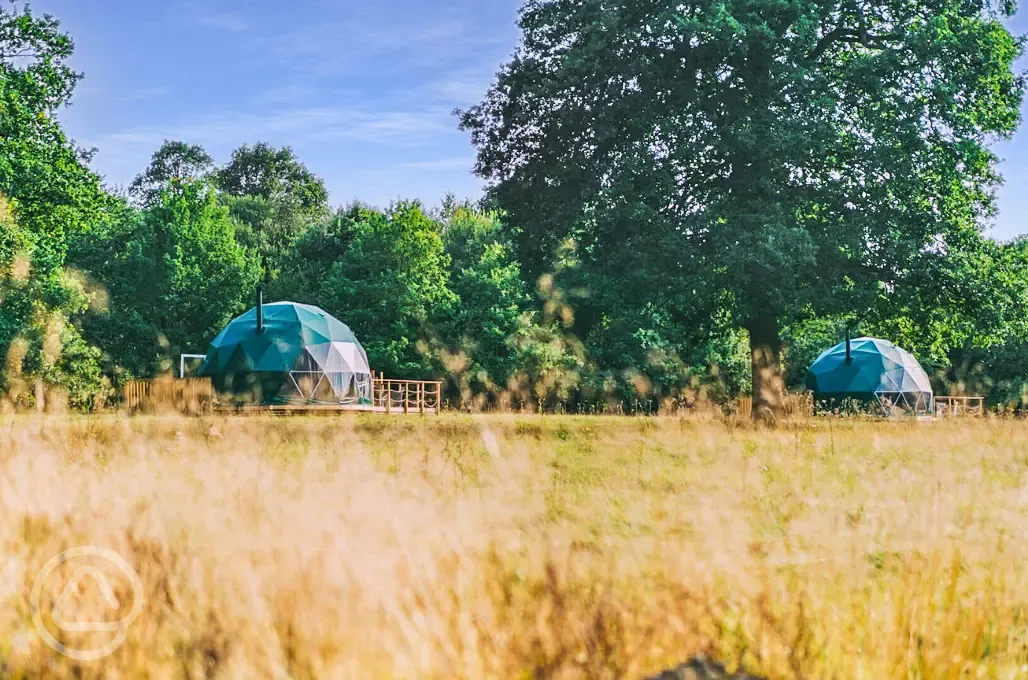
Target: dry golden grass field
{"x": 518, "y": 546}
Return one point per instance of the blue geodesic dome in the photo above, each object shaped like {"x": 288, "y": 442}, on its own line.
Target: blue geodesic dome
{"x": 303, "y": 355}
{"x": 876, "y": 371}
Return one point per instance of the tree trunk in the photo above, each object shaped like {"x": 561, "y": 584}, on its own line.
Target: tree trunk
{"x": 766, "y": 364}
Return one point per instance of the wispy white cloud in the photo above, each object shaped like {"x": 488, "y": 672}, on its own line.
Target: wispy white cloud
{"x": 462, "y": 88}
{"x": 124, "y": 153}
{"x": 328, "y": 49}
{"x": 314, "y": 124}
{"x": 232, "y": 23}
{"x": 145, "y": 93}
{"x": 285, "y": 94}
{"x": 454, "y": 163}
{"x": 367, "y": 35}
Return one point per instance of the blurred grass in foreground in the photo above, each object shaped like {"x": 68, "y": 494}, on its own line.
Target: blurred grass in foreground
{"x": 521, "y": 546}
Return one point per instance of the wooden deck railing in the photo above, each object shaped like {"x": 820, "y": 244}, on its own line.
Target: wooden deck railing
{"x": 188, "y": 395}
{"x": 406, "y": 396}
{"x": 951, "y": 407}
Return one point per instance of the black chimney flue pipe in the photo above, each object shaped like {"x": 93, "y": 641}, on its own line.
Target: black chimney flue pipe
{"x": 849, "y": 356}
{"x": 260, "y": 310}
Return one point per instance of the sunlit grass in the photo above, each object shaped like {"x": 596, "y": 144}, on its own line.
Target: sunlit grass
{"x": 525, "y": 546}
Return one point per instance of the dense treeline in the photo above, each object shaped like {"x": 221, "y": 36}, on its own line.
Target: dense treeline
{"x": 617, "y": 261}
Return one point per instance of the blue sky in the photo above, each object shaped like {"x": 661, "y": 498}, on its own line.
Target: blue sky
{"x": 363, "y": 90}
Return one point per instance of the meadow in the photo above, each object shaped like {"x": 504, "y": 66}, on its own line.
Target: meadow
{"x": 509, "y": 546}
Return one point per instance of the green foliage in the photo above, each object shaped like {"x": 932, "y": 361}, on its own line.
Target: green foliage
{"x": 499, "y": 348}
{"x": 174, "y": 164}
{"x": 175, "y": 275}
{"x": 432, "y": 296}
{"x": 646, "y": 355}
{"x": 967, "y": 327}
{"x": 268, "y": 228}
{"x": 993, "y": 359}
{"x": 50, "y": 195}
{"x": 306, "y": 263}
{"x": 274, "y": 175}
{"x": 38, "y": 341}
{"x": 39, "y": 168}
{"x": 806, "y": 340}
{"x": 274, "y": 198}
{"x": 391, "y": 287}
{"x": 487, "y": 281}
{"x": 999, "y": 373}
{"x": 973, "y": 296}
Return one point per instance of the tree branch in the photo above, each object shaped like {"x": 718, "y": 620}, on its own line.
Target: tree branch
{"x": 26, "y": 52}
{"x": 853, "y": 36}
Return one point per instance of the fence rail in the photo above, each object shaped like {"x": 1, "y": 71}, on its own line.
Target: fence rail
{"x": 952, "y": 407}
{"x": 406, "y": 396}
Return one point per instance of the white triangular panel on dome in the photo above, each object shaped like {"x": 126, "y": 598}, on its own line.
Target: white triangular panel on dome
{"x": 346, "y": 356}
{"x": 320, "y": 353}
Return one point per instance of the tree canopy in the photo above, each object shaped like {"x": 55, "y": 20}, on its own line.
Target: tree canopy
{"x": 174, "y": 164}
{"x": 773, "y": 158}
{"x": 275, "y": 175}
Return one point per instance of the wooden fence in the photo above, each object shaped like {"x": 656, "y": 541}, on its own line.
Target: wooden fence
{"x": 188, "y": 395}
{"x": 952, "y": 407}
{"x": 406, "y": 396}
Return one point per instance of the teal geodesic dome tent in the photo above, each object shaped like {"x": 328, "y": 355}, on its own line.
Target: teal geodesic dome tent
{"x": 288, "y": 353}
{"x": 872, "y": 371}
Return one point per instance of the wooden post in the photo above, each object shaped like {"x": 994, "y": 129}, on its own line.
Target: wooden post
{"x": 421, "y": 398}
{"x": 388, "y": 396}
{"x": 406, "y": 398}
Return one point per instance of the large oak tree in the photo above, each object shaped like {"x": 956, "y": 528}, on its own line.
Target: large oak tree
{"x": 771, "y": 158}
